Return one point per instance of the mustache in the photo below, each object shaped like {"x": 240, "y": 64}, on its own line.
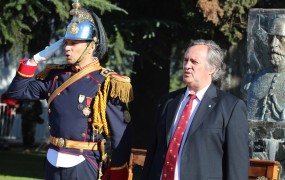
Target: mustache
{"x": 277, "y": 51}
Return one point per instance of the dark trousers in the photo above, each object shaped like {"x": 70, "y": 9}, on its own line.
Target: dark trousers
{"x": 86, "y": 170}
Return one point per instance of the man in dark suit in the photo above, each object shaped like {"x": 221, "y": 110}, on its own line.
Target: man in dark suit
{"x": 214, "y": 143}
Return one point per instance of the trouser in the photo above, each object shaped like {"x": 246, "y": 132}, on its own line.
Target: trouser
{"x": 86, "y": 170}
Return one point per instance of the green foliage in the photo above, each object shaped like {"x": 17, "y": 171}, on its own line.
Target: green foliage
{"x": 17, "y": 21}
{"x": 62, "y": 9}
{"x": 120, "y": 58}
{"x": 227, "y": 18}
{"x": 234, "y": 23}
{"x": 102, "y": 5}
{"x": 176, "y": 80}
{"x": 24, "y": 21}
{"x": 13, "y": 28}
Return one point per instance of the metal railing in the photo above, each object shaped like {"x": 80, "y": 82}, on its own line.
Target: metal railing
{"x": 7, "y": 116}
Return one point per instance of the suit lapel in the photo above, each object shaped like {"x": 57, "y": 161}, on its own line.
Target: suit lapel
{"x": 207, "y": 104}
{"x": 172, "y": 111}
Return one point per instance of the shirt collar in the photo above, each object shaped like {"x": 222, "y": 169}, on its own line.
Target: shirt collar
{"x": 200, "y": 94}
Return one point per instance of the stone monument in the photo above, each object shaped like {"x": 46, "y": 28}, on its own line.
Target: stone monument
{"x": 264, "y": 84}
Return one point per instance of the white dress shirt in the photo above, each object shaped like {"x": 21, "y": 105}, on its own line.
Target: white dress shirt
{"x": 196, "y": 103}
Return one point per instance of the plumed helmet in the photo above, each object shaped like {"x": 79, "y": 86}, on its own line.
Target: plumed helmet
{"x": 82, "y": 26}
{"x": 86, "y": 25}
{"x": 81, "y": 31}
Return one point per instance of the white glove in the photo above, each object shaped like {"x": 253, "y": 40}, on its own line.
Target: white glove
{"x": 48, "y": 51}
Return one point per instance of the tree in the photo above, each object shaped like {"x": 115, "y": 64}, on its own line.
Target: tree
{"x": 160, "y": 30}
{"x": 28, "y": 26}
{"x": 147, "y": 39}
{"x": 22, "y": 20}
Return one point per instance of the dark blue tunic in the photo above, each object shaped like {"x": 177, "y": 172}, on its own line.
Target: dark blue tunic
{"x": 65, "y": 119}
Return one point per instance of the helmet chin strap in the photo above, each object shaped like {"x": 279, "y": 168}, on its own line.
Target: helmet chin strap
{"x": 84, "y": 52}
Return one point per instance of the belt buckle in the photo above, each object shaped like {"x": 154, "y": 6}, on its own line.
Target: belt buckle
{"x": 61, "y": 142}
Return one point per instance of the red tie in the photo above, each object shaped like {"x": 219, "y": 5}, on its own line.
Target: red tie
{"x": 172, "y": 152}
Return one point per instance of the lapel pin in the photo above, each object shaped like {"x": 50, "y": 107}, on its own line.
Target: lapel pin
{"x": 210, "y": 106}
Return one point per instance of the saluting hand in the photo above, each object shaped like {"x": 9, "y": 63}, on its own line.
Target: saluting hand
{"x": 48, "y": 51}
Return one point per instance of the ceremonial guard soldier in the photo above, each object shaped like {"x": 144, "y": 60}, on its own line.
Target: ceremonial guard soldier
{"x": 87, "y": 104}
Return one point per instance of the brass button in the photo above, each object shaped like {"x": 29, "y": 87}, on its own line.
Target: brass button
{"x": 127, "y": 116}
{"x": 60, "y": 142}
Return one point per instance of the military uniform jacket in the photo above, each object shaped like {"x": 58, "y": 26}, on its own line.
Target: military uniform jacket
{"x": 66, "y": 120}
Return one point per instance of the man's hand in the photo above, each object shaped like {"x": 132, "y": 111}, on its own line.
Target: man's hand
{"x": 48, "y": 51}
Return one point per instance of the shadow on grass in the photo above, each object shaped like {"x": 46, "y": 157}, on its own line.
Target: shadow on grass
{"x": 15, "y": 162}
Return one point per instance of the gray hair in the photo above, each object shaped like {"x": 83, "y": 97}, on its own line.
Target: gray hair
{"x": 215, "y": 57}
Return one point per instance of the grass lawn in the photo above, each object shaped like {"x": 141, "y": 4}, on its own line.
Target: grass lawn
{"x": 17, "y": 165}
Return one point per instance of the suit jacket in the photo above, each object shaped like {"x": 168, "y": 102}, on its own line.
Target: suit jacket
{"x": 217, "y": 142}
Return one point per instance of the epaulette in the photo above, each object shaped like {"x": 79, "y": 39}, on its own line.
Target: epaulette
{"x": 116, "y": 86}
{"x": 43, "y": 74}
{"x": 120, "y": 85}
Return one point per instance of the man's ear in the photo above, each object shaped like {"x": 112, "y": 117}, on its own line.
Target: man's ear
{"x": 212, "y": 69}
{"x": 93, "y": 47}
{"x": 95, "y": 43}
